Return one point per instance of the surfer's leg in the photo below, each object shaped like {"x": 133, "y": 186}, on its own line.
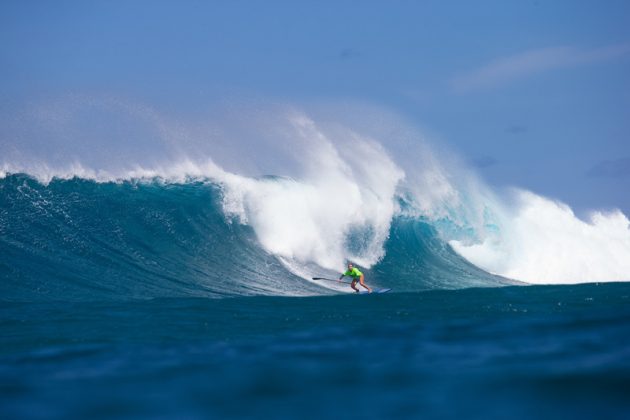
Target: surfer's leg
{"x": 354, "y": 285}
{"x": 363, "y": 284}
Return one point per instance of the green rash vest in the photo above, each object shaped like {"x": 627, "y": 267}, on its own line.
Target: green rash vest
{"x": 354, "y": 273}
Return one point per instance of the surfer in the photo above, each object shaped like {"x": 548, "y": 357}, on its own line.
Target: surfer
{"x": 356, "y": 276}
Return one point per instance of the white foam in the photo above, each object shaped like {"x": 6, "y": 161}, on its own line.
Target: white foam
{"x": 180, "y": 171}
{"x": 542, "y": 241}
{"x": 308, "y": 219}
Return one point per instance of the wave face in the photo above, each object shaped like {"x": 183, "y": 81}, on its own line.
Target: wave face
{"x": 83, "y": 240}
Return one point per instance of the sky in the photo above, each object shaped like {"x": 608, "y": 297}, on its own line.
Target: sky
{"x": 534, "y": 94}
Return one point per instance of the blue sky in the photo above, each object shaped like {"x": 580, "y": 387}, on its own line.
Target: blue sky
{"x": 534, "y": 93}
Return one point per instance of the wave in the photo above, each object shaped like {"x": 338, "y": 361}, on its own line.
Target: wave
{"x": 191, "y": 206}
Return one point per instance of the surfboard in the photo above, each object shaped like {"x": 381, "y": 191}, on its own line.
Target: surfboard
{"x": 365, "y": 292}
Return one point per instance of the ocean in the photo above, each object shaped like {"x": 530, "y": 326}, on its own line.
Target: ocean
{"x": 147, "y": 298}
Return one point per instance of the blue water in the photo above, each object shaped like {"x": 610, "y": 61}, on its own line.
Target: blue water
{"x": 142, "y": 299}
